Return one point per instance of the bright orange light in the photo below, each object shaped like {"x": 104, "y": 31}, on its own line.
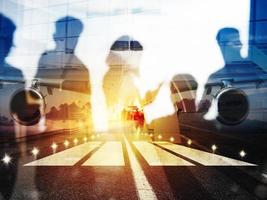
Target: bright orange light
{"x": 75, "y": 141}
{"x": 189, "y": 142}
{"x": 54, "y": 146}
{"x": 66, "y": 143}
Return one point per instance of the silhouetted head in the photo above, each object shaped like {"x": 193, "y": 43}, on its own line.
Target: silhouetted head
{"x": 126, "y": 42}
{"x": 68, "y": 30}
{"x": 229, "y": 41}
{"x": 7, "y": 29}
{"x": 125, "y": 52}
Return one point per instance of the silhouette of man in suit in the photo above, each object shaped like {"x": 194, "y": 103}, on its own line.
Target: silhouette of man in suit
{"x": 8, "y": 173}
{"x": 63, "y": 65}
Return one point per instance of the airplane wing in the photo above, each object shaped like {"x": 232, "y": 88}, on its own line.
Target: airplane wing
{"x": 231, "y": 81}
{"x": 71, "y": 85}
{"x": 11, "y": 79}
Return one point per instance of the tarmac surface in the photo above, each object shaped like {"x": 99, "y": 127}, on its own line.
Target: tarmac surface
{"x": 129, "y": 165}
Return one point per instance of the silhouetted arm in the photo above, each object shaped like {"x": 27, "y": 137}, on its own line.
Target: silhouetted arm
{"x": 151, "y": 95}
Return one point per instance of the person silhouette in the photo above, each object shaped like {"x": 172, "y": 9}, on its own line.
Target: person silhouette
{"x": 60, "y": 59}
{"x": 235, "y": 68}
{"x": 6, "y": 39}
{"x": 62, "y": 64}
{"x": 8, "y": 129}
{"x": 179, "y": 96}
{"x": 120, "y": 83}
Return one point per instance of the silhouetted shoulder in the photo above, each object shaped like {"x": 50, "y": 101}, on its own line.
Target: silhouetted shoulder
{"x": 243, "y": 69}
{"x": 12, "y": 71}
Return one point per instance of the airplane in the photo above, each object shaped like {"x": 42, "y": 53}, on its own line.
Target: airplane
{"x": 227, "y": 90}
{"x": 235, "y": 98}
{"x": 27, "y": 104}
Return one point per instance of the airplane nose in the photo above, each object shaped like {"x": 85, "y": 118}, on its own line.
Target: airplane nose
{"x": 233, "y": 106}
{"x": 27, "y": 106}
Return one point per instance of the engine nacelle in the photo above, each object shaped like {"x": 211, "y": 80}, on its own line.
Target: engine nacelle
{"x": 27, "y": 106}
{"x": 233, "y": 106}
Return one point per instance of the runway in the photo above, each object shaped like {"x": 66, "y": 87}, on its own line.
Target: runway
{"x": 79, "y": 165}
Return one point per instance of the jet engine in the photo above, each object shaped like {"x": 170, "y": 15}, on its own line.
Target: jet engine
{"x": 27, "y": 106}
{"x": 232, "y": 106}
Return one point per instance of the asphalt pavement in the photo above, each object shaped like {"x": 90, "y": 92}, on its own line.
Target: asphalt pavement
{"x": 127, "y": 165}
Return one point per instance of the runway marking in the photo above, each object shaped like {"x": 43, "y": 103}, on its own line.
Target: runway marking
{"x": 202, "y": 157}
{"x": 110, "y": 154}
{"x": 143, "y": 188}
{"x": 66, "y": 158}
{"x": 155, "y": 156}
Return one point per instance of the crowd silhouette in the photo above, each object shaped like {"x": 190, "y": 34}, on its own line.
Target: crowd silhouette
{"x": 63, "y": 66}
